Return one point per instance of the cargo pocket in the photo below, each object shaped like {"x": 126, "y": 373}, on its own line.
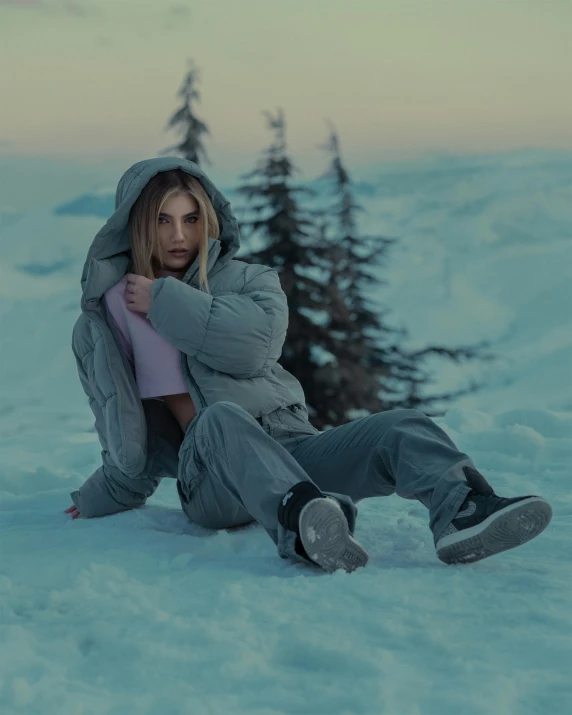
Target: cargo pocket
{"x": 192, "y": 469}
{"x": 291, "y": 421}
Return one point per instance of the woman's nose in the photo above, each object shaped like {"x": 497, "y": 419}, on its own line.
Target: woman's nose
{"x": 179, "y": 232}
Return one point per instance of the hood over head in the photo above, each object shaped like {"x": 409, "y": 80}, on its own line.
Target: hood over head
{"x": 110, "y": 252}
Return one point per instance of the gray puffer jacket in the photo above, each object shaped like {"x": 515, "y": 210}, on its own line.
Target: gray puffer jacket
{"x": 230, "y": 342}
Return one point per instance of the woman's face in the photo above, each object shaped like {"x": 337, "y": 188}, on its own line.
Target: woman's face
{"x": 178, "y": 227}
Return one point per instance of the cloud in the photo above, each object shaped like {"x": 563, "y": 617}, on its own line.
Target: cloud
{"x": 176, "y": 14}
{"x": 172, "y": 15}
{"x": 73, "y": 7}
{"x": 179, "y": 10}
{"x": 80, "y": 8}
{"x": 22, "y": 3}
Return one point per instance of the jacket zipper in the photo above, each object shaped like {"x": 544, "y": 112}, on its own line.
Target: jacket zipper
{"x": 184, "y": 364}
{"x": 186, "y": 370}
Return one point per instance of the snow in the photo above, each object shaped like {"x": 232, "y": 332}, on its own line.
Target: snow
{"x": 145, "y": 612}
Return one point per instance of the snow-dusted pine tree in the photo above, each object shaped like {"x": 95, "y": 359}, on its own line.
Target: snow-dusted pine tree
{"x": 371, "y": 371}
{"x": 291, "y": 245}
{"x": 359, "y": 377}
{"x": 337, "y": 346}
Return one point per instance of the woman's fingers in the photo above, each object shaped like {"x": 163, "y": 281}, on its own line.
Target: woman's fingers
{"x": 73, "y": 510}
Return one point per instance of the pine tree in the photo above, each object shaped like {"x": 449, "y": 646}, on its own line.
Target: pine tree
{"x": 371, "y": 372}
{"x": 362, "y": 364}
{"x": 191, "y": 146}
{"x": 289, "y": 233}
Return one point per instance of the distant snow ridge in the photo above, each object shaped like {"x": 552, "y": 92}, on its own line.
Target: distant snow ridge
{"x": 93, "y": 204}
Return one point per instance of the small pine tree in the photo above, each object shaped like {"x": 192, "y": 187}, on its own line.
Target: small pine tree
{"x": 290, "y": 247}
{"x": 191, "y": 146}
{"x": 361, "y": 368}
{"x": 369, "y": 371}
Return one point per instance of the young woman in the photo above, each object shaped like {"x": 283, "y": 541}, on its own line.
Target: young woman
{"x": 177, "y": 348}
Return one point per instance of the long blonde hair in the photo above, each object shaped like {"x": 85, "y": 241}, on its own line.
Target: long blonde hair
{"x": 144, "y": 217}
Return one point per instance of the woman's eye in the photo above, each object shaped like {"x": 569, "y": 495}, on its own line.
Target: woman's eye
{"x": 190, "y": 218}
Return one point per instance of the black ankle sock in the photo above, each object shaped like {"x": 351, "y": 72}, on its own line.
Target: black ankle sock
{"x": 294, "y": 501}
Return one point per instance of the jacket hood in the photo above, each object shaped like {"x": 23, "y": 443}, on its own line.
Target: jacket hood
{"x": 110, "y": 252}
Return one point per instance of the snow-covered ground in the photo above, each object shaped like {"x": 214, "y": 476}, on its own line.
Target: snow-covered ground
{"x": 144, "y": 612}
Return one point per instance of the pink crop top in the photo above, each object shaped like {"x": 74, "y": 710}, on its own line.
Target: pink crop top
{"x": 156, "y": 363}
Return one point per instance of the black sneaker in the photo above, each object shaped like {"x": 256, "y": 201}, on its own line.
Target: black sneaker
{"x": 487, "y": 524}
{"x": 323, "y": 535}
{"x": 326, "y": 538}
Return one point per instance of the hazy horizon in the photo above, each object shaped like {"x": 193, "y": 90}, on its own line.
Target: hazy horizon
{"x": 98, "y": 81}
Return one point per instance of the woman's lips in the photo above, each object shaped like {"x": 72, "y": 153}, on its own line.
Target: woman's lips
{"x": 178, "y": 253}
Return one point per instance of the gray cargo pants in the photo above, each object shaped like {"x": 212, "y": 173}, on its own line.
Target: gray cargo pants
{"x": 235, "y": 469}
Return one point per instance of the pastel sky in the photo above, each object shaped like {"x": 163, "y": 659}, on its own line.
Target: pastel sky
{"x": 399, "y": 78}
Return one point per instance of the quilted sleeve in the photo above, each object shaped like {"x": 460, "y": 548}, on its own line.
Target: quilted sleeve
{"x": 239, "y": 333}
{"x": 108, "y": 490}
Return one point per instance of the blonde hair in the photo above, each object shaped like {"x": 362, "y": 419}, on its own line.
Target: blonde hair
{"x": 144, "y": 217}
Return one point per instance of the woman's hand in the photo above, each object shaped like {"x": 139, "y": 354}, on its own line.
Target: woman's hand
{"x": 73, "y": 510}
{"x": 138, "y": 294}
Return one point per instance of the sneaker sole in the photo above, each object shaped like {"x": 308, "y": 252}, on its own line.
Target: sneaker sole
{"x": 325, "y": 534}
{"x": 509, "y": 527}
